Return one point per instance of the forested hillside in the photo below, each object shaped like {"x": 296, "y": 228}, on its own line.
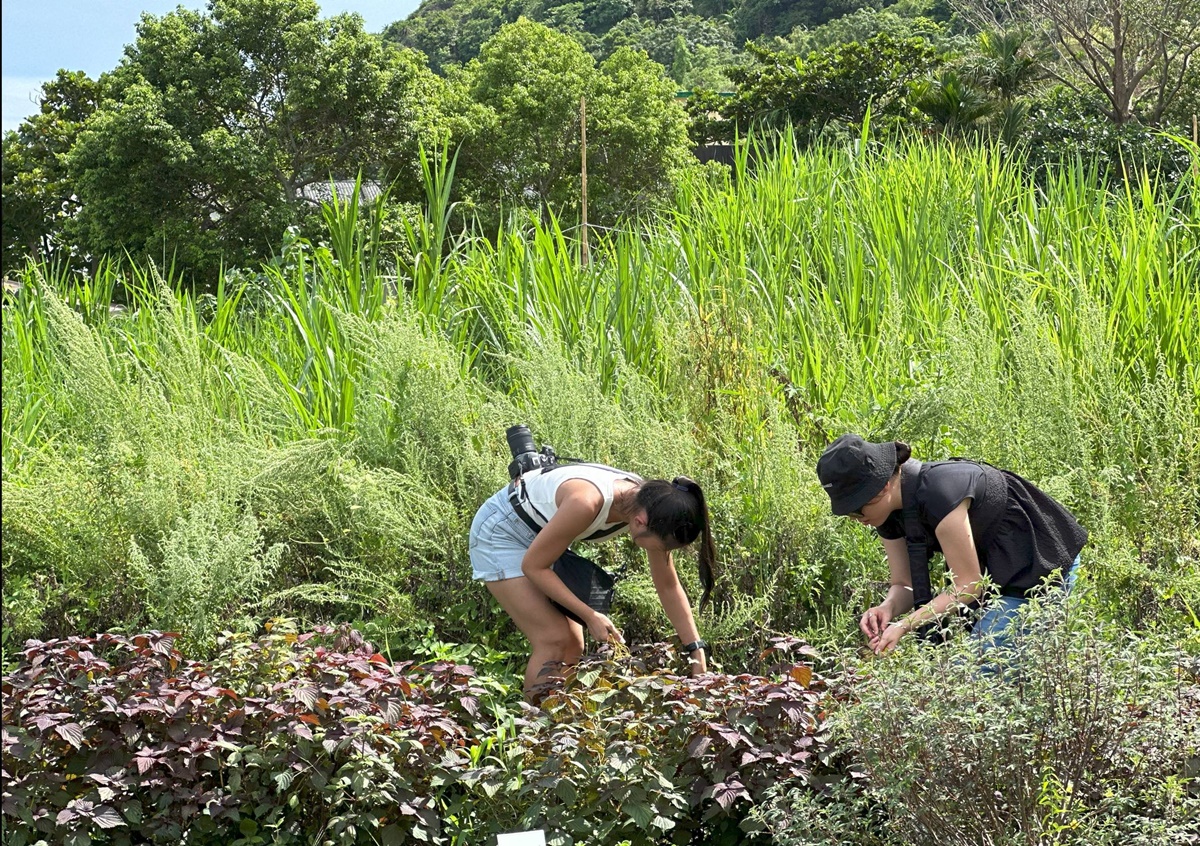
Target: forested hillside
{"x": 695, "y": 39}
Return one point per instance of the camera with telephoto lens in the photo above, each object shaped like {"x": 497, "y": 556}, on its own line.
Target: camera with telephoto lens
{"x": 526, "y": 456}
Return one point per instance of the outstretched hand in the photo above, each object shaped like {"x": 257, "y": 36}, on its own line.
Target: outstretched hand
{"x": 873, "y": 624}
{"x": 603, "y": 630}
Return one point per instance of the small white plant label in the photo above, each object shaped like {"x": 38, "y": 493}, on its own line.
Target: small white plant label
{"x": 522, "y": 838}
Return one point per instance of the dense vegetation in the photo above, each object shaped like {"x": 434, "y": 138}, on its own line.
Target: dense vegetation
{"x": 239, "y": 414}
{"x": 221, "y": 130}
{"x": 313, "y": 436}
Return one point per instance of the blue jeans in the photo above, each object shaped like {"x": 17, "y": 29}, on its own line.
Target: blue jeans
{"x": 995, "y": 627}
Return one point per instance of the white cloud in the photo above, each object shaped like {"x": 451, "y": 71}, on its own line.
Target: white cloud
{"x": 20, "y": 98}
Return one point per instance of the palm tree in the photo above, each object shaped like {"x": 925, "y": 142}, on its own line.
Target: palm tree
{"x": 952, "y": 101}
{"x": 1008, "y": 62}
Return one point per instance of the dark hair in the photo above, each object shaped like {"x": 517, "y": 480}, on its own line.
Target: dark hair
{"x": 903, "y": 454}
{"x": 677, "y": 513}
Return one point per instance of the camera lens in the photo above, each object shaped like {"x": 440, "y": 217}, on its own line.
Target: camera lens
{"x": 520, "y": 440}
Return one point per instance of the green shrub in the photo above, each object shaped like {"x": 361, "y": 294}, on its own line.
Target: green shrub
{"x": 1083, "y": 737}
{"x": 1063, "y": 125}
{"x": 212, "y": 567}
{"x": 316, "y": 738}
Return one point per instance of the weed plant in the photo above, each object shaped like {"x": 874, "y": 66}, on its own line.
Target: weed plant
{"x": 351, "y": 400}
{"x": 1082, "y": 735}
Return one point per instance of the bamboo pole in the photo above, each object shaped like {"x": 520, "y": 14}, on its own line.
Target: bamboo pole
{"x": 583, "y": 172}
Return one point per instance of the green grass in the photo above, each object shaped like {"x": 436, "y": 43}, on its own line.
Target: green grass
{"x": 343, "y": 408}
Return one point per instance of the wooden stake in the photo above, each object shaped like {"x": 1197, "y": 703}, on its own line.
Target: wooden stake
{"x": 583, "y": 171}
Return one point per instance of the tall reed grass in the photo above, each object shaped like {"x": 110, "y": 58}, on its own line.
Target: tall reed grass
{"x": 354, "y": 400}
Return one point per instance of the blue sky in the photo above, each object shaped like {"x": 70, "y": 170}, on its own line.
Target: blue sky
{"x": 41, "y": 36}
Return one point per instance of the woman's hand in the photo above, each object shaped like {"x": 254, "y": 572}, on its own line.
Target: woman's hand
{"x": 887, "y": 641}
{"x": 603, "y": 630}
{"x": 873, "y": 623}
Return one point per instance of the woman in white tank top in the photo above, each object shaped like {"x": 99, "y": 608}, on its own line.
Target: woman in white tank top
{"x": 572, "y": 503}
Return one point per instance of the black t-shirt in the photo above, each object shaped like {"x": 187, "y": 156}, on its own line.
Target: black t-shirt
{"x": 1021, "y": 535}
{"x": 943, "y": 486}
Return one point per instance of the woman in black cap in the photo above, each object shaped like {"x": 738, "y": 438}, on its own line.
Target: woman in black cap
{"x": 983, "y": 520}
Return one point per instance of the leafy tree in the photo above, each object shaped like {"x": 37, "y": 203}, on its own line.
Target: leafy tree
{"x": 661, "y": 10}
{"x": 1187, "y": 103}
{"x": 837, "y": 83}
{"x": 637, "y": 142}
{"x": 602, "y": 15}
{"x": 1064, "y": 126}
{"x": 39, "y": 200}
{"x": 528, "y": 80}
{"x": 681, "y": 61}
{"x": 521, "y": 141}
{"x": 953, "y": 101}
{"x": 697, "y": 32}
{"x": 1009, "y": 62}
{"x": 866, "y": 23}
{"x": 754, "y": 18}
{"x": 214, "y": 124}
{"x": 1136, "y": 53}
{"x": 451, "y": 31}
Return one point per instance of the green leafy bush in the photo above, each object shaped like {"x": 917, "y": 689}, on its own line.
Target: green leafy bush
{"x": 315, "y": 737}
{"x": 1065, "y": 127}
{"x": 1083, "y": 736}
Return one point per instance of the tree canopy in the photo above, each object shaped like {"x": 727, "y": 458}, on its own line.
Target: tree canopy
{"x": 836, "y": 83}
{"x": 206, "y": 134}
{"x": 521, "y": 143}
{"x": 39, "y": 194}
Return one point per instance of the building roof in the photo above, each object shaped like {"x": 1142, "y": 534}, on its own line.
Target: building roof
{"x": 322, "y": 192}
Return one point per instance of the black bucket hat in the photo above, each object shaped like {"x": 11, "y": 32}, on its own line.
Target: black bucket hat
{"x": 852, "y": 471}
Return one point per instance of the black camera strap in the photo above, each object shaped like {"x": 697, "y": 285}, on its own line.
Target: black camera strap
{"x": 915, "y": 537}
{"x": 518, "y": 498}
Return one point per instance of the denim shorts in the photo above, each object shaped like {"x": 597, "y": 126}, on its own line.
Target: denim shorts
{"x": 498, "y": 540}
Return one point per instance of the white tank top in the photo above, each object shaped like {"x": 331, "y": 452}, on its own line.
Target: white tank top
{"x": 541, "y": 488}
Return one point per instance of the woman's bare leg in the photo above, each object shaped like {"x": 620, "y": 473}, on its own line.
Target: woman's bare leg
{"x": 554, "y": 638}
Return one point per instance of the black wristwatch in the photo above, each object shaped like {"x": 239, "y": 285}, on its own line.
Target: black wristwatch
{"x": 689, "y": 648}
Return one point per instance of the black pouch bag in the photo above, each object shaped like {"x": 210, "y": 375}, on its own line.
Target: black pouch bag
{"x": 587, "y": 580}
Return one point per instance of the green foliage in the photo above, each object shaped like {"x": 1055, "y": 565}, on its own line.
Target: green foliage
{"x": 522, "y": 147}
{"x": 837, "y": 84}
{"x": 1083, "y": 738}
{"x": 207, "y": 134}
{"x": 451, "y": 33}
{"x": 952, "y": 102}
{"x": 39, "y": 201}
{"x": 779, "y": 17}
{"x": 1010, "y": 61}
{"x": 640, "y": 138}
{"x": 528, "y": 80}
{"x": 299, "y": 736}
{"x": 1047, "y": 328}
{"x": 902, "y": 21}
{"x": 208, "y": 569}
{"x": 1061, "y": 124}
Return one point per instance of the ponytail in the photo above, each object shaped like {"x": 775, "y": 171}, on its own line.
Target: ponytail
{"x": 677, "y": 513}
{"x": 903, "y": 453}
